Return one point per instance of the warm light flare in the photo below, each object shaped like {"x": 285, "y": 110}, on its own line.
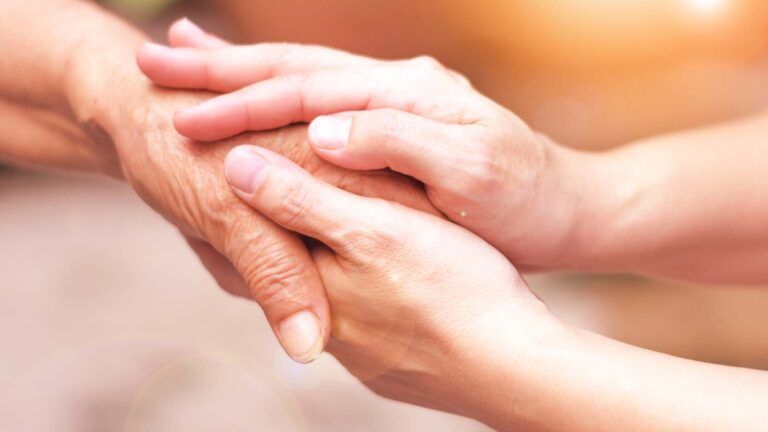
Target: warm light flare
{"x": 706, "y": 5}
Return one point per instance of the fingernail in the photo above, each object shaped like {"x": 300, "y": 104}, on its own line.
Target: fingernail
{"x": 245, "y": 169}
{"x": 330, "y": 132}
{"x": 301, "y": 337}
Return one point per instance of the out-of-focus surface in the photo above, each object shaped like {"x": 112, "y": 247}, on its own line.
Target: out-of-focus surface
{"x": 591, "y": 73}
{"x": 109, "y": 323}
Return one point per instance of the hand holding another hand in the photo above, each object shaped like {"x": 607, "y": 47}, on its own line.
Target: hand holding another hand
{"x": 422, "y": 309}
{"x": 481, "y": 165}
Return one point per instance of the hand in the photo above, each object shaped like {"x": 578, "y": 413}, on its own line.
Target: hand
{"x": 418, "y": 303}
{"x": 482, "y": 166}
{"x": 248, "y": 254}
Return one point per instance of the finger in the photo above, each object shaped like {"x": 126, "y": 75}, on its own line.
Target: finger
{"x": 382, "y": 184}
{"x": 281, "y": 278}
{"x": 300, "y": 98}
{"x": 419, "y": 147}
{"x": 232, "y": 67}
{"x": 185, "y": 33}
{"x": 297, "y": 201}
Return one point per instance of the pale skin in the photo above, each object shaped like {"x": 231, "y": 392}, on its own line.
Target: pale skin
{"x": 412, "y": 333}
{"x": 688, "y": 206}
{"x": 535, "y": 372}
{"x": 83, "y": 104}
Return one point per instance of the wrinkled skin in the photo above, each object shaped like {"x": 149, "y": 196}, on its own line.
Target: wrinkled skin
{"x": 181, "y": 179}
{"x": 414, "y": 297}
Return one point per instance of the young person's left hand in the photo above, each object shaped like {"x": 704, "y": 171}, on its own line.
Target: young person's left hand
{"x": 423, "y": 311}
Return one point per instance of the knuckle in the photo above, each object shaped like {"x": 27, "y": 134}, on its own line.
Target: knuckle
{"x": 483, "y": 172}
{"x": 387, "y": 126}
{"x": 283, "y": 52}
{"x": 460, "y": 78}
{"x": 426, "y": 62}
{"x": 275, "y": 278}
{"x": 426, "y": 71}
{"x": 368, "y": 244}
{"x": 296, "y": 201}
{"x": 271, "y": 271}
{"x": 289, "y": 141}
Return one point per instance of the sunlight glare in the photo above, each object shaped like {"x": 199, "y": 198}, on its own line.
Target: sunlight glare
{"x": 705, "y": 5}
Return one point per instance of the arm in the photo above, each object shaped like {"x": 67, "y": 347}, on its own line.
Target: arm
{"x": 688, "y": 206}
{"x": 691, "y": 205}
{"x": 42, "y": 138}
{"x": 40, "y": 38}
{"x": 570, "y": 379}
{"x": 460, "y": 331}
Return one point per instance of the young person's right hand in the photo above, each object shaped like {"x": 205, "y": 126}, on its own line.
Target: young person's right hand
{"x": 648, "y": 208}
{"x": 481, "y": 165}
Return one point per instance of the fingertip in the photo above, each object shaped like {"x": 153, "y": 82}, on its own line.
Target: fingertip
{"x": 166, "y": 66}
{"x": 149, "y": 56}
{"x": 302, "y": 336}
{"x": 191, "y": 123}
{"x": 183, "y": 121}
{"x": 183, "y": 33}
{"x": 330, "y": 132}
{"x": 212, "y": 120}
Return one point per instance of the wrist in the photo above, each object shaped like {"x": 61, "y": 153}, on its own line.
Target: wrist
{"x": 102, "y": 81}
{"x": 618, "y": 196}
{"x": 590, "y": 209}
{"x": 504, "y": 369}
{"x": 559, "y": 209}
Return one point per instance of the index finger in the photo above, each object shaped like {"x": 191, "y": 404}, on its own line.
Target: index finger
{"x": 232, "y": 67}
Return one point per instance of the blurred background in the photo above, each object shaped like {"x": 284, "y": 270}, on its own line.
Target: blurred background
{"x": 109, "y": 323}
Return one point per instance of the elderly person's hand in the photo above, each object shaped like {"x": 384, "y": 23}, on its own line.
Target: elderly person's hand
{"x": 482, "y": 166}
{"x": 248, "y": 254}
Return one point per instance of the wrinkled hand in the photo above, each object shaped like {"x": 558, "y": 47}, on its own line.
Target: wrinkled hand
{"x": 419, "y": 304}
{"x": 481, "y": 165}
{"x": 248, "y": 254}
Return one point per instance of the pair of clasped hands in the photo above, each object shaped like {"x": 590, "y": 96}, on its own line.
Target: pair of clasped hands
{"x": 425, "y": 304}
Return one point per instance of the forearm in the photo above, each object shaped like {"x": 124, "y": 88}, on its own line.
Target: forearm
{"x": 65, "y": 59}
{"x": 576, "y": 380}
{"x": 41, "y": 138}
{"x": 687, "y": 206}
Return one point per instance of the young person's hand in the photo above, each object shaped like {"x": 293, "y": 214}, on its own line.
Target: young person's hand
{"x": 428, "y": 313}
{"x": 419, "y": 305}
{"x": 481, "y": 165}
{"x": 647, "y": 208}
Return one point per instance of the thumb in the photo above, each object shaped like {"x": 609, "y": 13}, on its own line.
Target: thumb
{"x": 425, "y": 149}
{"x": 280, "y": 190}
{"x": 280, "y": 276}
